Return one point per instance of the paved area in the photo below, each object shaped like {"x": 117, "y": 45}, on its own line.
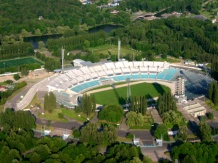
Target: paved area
{"x": 156, "y": 116}
{"x": 68, "y": 126}
{"x": 156, "y": 153}
{"x": 185, "y": 114}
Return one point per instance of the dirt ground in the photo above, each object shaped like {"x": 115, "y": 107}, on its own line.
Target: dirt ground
{"x": 4, "y": 78}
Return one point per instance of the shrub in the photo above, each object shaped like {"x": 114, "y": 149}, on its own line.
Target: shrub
{"x": 16, "y": 77}
{"x": 130, "y": 136}
{"x": 76, "y": 133}
{"x": 60, "y": 115}
{"x": 202, "y": 118}
{"x": 210, "y": 115}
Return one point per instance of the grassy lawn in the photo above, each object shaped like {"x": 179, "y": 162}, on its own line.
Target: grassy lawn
{"x": 171, "y": 60}
{"x": 18, "y": 62}
{"x": 123, "y": 139}
{"x": 210, "y": 103}
{"x": 113, "y": 49}
{"x": 53, "y": 116}
{"x": 73, "y": 115}
{"x": 145, "y": 126}
{"x": 2, "y": 108}
{"x": 118, "y": 95}
{"x": 17, "y": 92}
{"x": 108, "y": 86}
{"x": 66, "y": 112}
{"x": 35, "y": 101}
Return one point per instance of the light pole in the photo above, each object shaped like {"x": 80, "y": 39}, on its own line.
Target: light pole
{"x": 4, "y": 66}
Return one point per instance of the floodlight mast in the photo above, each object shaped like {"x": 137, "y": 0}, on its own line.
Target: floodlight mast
{"x": 62, "y": 58}
{"x": 119, "y": 44}
{"x": 128, "y": 92}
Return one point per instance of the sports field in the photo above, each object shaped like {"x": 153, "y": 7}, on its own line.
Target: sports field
{"x": 18, "y": 62}
{"x": 113, "y": 50}
{"x": 118, "y": 95}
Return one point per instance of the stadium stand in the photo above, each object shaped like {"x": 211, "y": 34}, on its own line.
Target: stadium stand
{"x": 77, "y": 80}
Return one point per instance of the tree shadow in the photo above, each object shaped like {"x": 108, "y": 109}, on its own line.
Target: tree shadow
{"x": 159, "y": 88}
{"x": 193, "y": 127}
{"x": 121, "y": 100}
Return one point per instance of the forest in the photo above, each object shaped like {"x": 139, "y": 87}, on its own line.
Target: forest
{"x": 18, "y": 144}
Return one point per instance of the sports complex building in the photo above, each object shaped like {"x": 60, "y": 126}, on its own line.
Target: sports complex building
{"x": 71, "y": 84}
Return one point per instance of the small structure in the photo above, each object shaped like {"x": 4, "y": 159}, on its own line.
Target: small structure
{"x": 136, "y": 141}
{"x": 159, "y": 142}
{"x": 3, "y": 88}
{"x": 200, "y": 17}
{"x": 214, "y": 20}
{"x": 81, "y": 63}
{"x": 195, "y": 109}
{"x": 46, "y": 132}
{"x": 40, "y": 18}
{"x": 189, "y": 62}
{"x": 65, "y": 136}
{"x": 114, "y": 11}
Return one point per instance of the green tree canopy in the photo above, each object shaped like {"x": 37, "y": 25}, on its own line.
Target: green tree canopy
{"x": 111, "y": 113}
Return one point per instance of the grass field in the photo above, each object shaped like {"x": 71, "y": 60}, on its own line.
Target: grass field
{"x": 113, "y": 50}
{"x": 71, "y": 114}
{"x": 118, "y": 95}
{"x": 18, "y": 62}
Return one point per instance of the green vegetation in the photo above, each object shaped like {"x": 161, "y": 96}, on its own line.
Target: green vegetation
{"x": 34, "y": 103}
{"x": 166, "y": 102}
{"x": 173, "y": 118}
{"x": 199, "y": 152}
{"x": 205, "y": 132}
{"x": 19, "y": 62}
{"x": 4, "y": 96}
{"x": 117, "y": 96}
{"x": 54, "y": 116}
{"x": 16, "y": 76}
{"x": 50, "y": 102}
{"x": 91, "y": 135}
{"x": 134, "y": 119}
{"x": 139, "y": 104}
{"x": 161, "y": 132}
{"x": 111, "y": 50}
{"x": 88, "y": 105}
{"x": 210, "y": 103}
{"x": 22, "y": 64}
{"x": 19, "y": 120}
{"x": 111, "y": 113}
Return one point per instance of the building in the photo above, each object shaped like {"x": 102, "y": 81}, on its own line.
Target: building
{"x": 180, "y": 86}
{"x": 195, "y": 109}
{"x": 180, "y": 89}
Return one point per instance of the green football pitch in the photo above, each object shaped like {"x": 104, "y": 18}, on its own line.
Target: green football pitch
{"x": 118, "y": 95}
{"x": 18, "y": 62}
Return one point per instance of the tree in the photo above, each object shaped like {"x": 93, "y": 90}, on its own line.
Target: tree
{"x": 16, "y": 76}
{"x": 41, "y": 44}
{"x": 210, "y": 115}
{"x": 86, "y": 44}
{"x": 161, "y": 132}
{"x": 205, "y": 132}
{"x": 111, "y": 113}
{"x": 50, "y": 102}
{"x": 88, "y": 104}
{"x": 135, "y": 119}
{"x": 183, "y": 133}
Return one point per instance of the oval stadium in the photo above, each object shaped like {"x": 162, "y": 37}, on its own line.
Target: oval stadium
{"x": 71, "y": 84}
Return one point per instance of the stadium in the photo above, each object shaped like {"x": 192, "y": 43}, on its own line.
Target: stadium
{"x": 71, "y": 84}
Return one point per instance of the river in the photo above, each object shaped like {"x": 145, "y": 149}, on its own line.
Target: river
{"x": 35, "y": 39}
